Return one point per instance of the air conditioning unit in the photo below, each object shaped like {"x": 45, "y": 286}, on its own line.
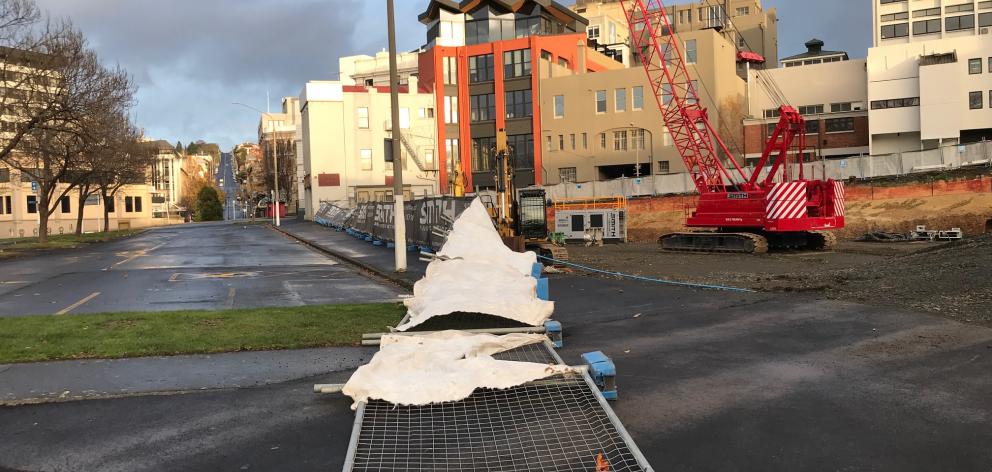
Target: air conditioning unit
{"x": 983, "y": 31}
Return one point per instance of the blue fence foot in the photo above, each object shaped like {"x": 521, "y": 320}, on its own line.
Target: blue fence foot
{"x": 411, "y": 248}
{"x": 553, "y": 330}
{"x": 426, "y": 250}
{"x": 376, "y": 242}
{"x": 542, "y": 289}
{"x": 390, "y": 245}
{"x": 536, "y": 270}
{"x": 603, "y": 373}
{"x": 369, "y": 239}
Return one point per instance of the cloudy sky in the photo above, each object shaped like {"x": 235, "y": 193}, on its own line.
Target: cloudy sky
{"x": 193, "y": 58}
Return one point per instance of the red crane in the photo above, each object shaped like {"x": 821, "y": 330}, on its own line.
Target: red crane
{"x": 745, "y": 213}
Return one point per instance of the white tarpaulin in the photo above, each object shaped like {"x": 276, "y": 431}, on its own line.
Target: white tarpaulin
{"x": 443, "y": 367}
{"x": 483, "y": 276}
{"x": 473, "y": 237}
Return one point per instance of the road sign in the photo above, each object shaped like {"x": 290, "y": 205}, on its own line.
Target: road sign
{"x": 34, "y": 186}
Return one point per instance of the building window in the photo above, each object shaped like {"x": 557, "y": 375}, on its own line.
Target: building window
{"x": 926, "y": 27}
{"x": 959, "y": 8}
{"x": 450, "y": 110}
{"x": 896, "y": 16}
{"x": 666, "y": 94}
{"x": 619, "y": 140}
{"x": 990, "y": 99}
{"x": 137, "y": 204}
{"x": 429, "y": 158}
{"x": 585, "y": 141}
{"x": 453, "y": 156}
{"x": 770, "y": 128}
{"x": 743, "y": 11}
{"x": 548, "y": 144}
{"x": 128, "y": 204}
{"x": 975, "y": 100}
{"x": 566, "y": 174}
{"x": 840, "y": 125}
{"x": 450, "y": 70}
{"x": 64, "y": 203}
{"x": 984, "y": 19}
{"x": 366, "y": 159}
{"x": 559, "y": 106}
{"x": 637, "y": 139}
{"x": 519, "y": 104}
{"x": 638, "y": 98}
{"x": 895, "y": 103}
{"x": 620, "y": 100}
{"x": 690, "y": 51}
{"x": 571, "y": 139}
{"x": 924, "y": 12}
{"x": 482, "y": 149}
{"x": 593, "y": 32}
{"x": 363, "y": 118}
{"x": 476, "y": 32}
{"x": 480, "y": 68}
{"x": 523, "y": 150}
{"x": 958, "y": 23}
{"x": 563, "y": 62}
{"x": 404, "y": 118}
{"x": 561, "y": 142}
{"x": 810, "y": 109}
{"x": 5, "y": 173}
{"x": 813, "y": 127}
{"x": 664, "y": 167}
{"x": 898, "y": 30}
{"x": 602, "y": 140}
{"x": 516, "y": 63}
{"x": 974, "y": 66}
{"x": 840, "y": 107}
{"x": 482, "y": 107}
{"x": 601, "y": 101}
{"x": 32, "y": 204}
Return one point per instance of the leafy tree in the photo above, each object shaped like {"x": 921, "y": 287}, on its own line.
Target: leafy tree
{"x": 192, "y": 148}
{"x": 208, "y": 206}
{"x": 179, "y": 147}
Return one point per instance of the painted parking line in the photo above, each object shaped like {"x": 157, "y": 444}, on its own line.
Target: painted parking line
{"x": 135, "y": 256}
{"x": 78, "y": 304}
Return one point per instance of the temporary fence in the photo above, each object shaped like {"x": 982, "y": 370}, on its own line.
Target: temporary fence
{"x": 858, "y": 167}
{"x": 560, "y": 423}
{"x": 428, "y": 220}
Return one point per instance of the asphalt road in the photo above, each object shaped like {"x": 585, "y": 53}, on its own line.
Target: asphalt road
{"x": 709, "y": 381}
{"x": 228, "y": 183}
{"x": 195, "y": 266}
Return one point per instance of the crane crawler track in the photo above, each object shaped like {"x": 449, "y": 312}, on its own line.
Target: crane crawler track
{"x": 704, "y": 242}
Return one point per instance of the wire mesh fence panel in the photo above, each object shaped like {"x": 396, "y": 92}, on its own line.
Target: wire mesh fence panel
{"x": 556, "y": 425}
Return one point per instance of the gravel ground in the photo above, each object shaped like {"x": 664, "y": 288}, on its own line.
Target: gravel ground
{"x": 949, "y": 279}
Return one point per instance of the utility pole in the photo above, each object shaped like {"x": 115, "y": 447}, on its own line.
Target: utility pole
{"x": 399, "y": 219}
{"x": 275, "y": 173}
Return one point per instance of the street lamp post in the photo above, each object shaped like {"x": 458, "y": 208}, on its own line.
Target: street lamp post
{"x": 399, "y": 220}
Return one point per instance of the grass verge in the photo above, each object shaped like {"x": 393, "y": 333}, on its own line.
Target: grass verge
{"x": 117, "y": 335}
{"x": 17, "y": 246}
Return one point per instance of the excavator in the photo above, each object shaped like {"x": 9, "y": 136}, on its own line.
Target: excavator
{"x": 738, "y": 211}
{"x": 521, "y": 217}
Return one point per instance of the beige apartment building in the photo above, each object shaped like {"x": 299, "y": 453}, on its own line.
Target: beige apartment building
{"x": 344, "y": 132}
{"x": 746, "y": 24}
{"x": 607, "y": 125}
{"x": 372, "y": 71}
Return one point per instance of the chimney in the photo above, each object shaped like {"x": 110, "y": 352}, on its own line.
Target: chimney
{"x": 814, "y": 46}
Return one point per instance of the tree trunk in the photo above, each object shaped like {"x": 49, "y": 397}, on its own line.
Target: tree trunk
{"x": 42, "y": 207}
{"x": 84, "y": 193}
{"x": 106, "y": 212}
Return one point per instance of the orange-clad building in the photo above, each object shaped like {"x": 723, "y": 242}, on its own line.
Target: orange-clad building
{"x": 483, "y": 60}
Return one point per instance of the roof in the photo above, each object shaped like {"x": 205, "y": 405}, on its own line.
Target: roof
{"x": 814, "y": 48}
{"x": 465, "y": 6}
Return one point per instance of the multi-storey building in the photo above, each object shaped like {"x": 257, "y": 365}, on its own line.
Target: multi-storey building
{"x": 481, "y": 60}
{"x": 344, "y": 132}
{"x": 827, "y": 88}
{"x": 745, "y": 23}
{"x": 929, "y": 74}
{"x": 373, "y": 71}
{"x": 607, "y": 125}
{"x": 277, "y": 138}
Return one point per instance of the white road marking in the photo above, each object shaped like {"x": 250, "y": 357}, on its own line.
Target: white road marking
{"x": 230, "y": 297}
{"x": 78, "y": 304}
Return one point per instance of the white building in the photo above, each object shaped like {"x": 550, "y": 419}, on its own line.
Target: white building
{"x": 930, "y": 74}
{"x": 374, "y": 70}
{"x": 344, "y": 128}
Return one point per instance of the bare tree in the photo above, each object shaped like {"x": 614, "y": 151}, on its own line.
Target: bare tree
{"x": 113, "y": 138}
{"x": 130, "y": 163}
{"x": 54, "y": 96}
